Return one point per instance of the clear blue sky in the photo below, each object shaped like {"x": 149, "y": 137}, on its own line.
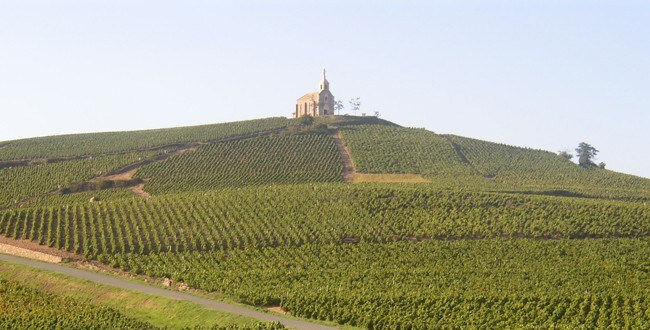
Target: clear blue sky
{"x": 542, "y": 74}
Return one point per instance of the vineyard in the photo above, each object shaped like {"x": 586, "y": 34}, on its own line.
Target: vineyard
{"x": 259, "y": 161}
{"x": 258, "y": 211}
{"x": 111, "y": 142}
{"x": 28, "y": 308}
{"x": 20, "y": 183}
{"x": 61, "y": 200}
{"x": 521, "y": 166}
{"x": 456, "y": 162}
{"x": 24, "y": 308}
{"x": 323, "y": 214}
{"x": 393, "y": 149}
{"x": 495, "y": 283}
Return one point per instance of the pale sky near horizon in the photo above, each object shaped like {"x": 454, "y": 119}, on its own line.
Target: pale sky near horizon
{"x": 540, "y": 74}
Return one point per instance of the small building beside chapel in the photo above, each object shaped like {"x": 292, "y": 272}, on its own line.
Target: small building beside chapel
{"x": 316, "y": 104}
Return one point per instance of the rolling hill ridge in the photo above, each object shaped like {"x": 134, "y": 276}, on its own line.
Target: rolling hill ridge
{"x": 375, "y": 146}
{"x": 354, "y": 220}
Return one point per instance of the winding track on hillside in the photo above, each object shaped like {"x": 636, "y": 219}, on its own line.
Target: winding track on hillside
{"x": 129, "y": 285}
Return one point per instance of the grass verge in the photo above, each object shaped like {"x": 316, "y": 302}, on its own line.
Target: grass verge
{"x": 389, "y": 178}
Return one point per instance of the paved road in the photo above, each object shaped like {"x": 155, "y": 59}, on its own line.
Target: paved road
{"x": 133, "y": 286}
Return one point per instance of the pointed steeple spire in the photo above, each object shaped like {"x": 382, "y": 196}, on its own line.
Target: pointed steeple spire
{"x": 324, "y": 84}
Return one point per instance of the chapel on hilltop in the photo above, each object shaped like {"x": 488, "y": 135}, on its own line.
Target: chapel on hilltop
{"x": 320, "y": 103}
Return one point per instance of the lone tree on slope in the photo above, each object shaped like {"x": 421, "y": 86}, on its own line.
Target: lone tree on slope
{"x": 585, "y": 153}
{"x": 338, "y": 106}
{"x": 355, "y": 104}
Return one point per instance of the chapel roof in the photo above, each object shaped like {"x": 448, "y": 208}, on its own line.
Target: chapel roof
{"x": 309, "y": 95}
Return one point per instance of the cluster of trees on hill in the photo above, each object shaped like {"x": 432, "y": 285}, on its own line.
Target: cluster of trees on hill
{"x": 355, "y": 105}
{"x": 585, "y": 153}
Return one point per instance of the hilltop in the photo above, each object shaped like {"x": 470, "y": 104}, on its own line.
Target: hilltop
{"x": 355, "y": 220}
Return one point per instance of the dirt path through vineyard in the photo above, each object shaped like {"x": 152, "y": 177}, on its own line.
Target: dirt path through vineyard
{"x": 349, "y": 169}
{"x": 139, "y": 190}
{"x": 126, "y": 173}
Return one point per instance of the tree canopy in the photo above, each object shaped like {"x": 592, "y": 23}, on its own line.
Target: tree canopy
{"x": 585, "y": 153}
